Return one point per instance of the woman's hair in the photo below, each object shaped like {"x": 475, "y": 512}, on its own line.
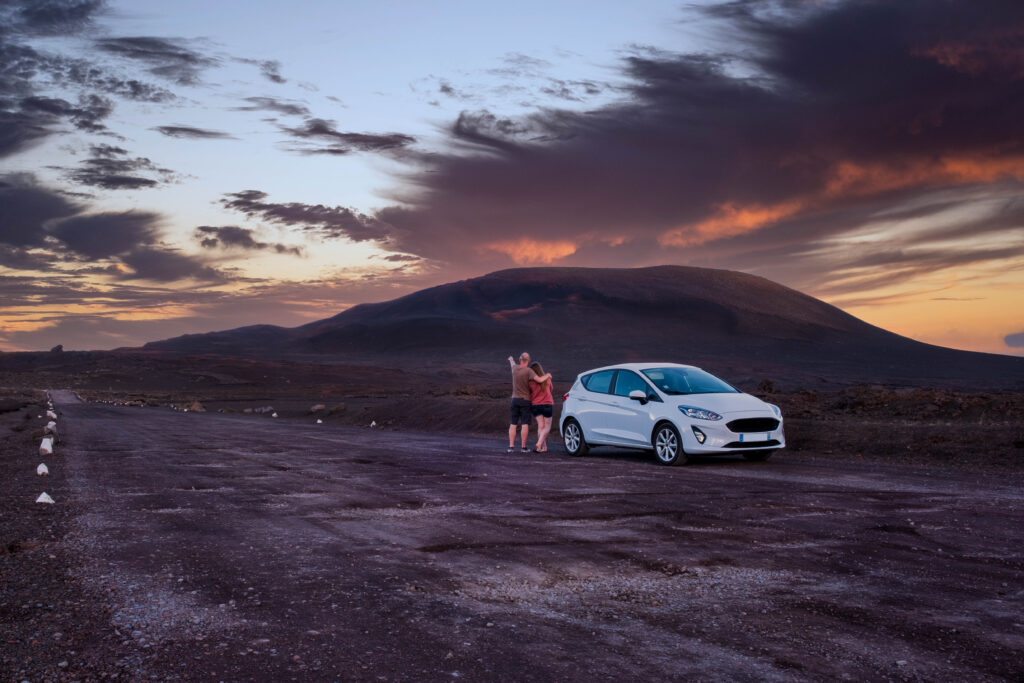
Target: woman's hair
{"x": 535, "y": 366}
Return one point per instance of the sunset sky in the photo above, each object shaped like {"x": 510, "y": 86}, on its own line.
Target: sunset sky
{"x": 170, "y": 168}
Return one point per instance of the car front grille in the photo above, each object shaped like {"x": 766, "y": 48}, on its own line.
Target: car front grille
{"x": 753, "y": 424}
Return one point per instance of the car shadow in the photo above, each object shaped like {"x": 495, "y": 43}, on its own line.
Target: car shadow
{"x": 647, "y": 457}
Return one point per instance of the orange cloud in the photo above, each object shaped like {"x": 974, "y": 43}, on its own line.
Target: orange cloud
{"x": 851, "y": 179}
{"x": 847, "y": 179}
{"x": 731, "y": 219}
{"x": 529, "y": 252}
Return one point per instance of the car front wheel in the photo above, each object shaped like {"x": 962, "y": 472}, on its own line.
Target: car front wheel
{"x": 668, "y": 447}
{"x": 575, "y": 444}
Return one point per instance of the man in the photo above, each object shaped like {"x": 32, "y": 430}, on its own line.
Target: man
{"x": 519, "y": 410}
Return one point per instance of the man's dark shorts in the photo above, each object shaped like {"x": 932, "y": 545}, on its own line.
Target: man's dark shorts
{"x": 519, "y": 410}
{"x": 542, "y": 410}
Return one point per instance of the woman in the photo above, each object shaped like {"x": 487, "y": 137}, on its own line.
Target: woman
{"x": 542, "y": 405}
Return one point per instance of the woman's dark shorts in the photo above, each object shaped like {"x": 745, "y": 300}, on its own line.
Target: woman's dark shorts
{"x": 543, "y": 410}
{"x": 519, "y": 410}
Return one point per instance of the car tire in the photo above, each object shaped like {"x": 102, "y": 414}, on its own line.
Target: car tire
{"x": 572, "y": 435}
{"x": 668, "y": 446}
{"x": 759, "y": 456}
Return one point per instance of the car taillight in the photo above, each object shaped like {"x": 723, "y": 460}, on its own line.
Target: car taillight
{"x": 566, "y": 397}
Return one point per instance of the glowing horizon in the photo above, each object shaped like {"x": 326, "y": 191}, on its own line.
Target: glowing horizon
{"x": 165, "y": 172}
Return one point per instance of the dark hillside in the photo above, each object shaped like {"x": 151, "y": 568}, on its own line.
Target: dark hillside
{"x": 572, "y": 318}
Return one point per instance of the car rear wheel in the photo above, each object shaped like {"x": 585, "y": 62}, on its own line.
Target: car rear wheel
{"x": 572, "y": 434}
{"x": 668, "y": 447}
{"x": 758, "y": 456}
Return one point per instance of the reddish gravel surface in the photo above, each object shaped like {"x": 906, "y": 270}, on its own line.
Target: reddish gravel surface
{"x": 231, "y": 547}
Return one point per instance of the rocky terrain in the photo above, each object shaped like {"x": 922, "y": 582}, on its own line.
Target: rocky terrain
{"x": 208, "y": 546}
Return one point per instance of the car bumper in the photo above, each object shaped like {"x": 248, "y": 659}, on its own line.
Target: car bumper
{"x": 717, "y": 439}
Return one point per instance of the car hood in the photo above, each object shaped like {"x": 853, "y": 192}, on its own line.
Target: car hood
{"x": 723, "y": 404}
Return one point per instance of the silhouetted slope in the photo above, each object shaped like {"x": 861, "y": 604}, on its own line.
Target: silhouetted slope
{"x": 573, "y": 318}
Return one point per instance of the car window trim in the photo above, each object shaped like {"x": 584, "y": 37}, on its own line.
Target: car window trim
{"x": 611, "y": 384}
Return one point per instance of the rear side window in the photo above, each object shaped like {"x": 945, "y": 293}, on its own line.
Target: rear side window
{"x": 599, "y": 382}
{"x": 629, "y": 381}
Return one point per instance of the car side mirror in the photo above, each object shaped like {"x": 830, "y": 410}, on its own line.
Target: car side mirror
{"x": 638, "y": 395}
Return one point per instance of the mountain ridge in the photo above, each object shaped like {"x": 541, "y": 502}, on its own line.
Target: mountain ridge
{"x": 582, "y": 317}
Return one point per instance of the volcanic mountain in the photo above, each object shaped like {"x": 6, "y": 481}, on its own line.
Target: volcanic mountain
{"x": 738, "y": 325}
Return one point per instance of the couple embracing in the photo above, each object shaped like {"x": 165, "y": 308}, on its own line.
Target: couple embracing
{"x": 531, "y": 397}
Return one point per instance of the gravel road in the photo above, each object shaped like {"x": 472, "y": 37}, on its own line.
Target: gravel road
{"x": 229, "y": 547}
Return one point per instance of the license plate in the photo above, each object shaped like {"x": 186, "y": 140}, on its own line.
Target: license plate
{"x": 755, "y": 437}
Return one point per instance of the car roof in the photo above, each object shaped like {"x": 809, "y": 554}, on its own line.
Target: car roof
{"x": 639, "y": 366}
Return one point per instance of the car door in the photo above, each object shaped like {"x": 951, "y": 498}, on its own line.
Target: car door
{"x": 596, "y": 404}
{"x": 630, "y": 420}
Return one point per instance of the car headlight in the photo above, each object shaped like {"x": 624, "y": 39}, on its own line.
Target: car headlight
{"x": 699, "y": 413}
{"x": 775, "y": 409}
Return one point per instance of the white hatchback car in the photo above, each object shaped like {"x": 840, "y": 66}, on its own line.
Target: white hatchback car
{"x": 674, "y": 410}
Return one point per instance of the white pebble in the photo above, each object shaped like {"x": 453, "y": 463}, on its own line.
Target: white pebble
{"x": 44, "y": 498}
{"x": 42, "y": 470}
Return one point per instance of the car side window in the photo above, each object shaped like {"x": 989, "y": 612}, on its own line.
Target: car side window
{"x": 627, "y": 381}
{"x": 599, "y": 382}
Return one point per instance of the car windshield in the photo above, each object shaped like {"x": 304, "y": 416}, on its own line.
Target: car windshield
{"x": 679, "y": 381}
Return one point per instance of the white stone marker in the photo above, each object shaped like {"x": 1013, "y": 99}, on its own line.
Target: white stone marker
{"x": 42, "y": 470}
{"x": 45, "y": 498}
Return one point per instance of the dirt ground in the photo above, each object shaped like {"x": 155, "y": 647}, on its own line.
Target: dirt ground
{"x": 238, "y": 546}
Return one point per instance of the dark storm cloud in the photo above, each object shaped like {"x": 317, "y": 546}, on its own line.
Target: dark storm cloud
{"x": 168, "y": 58}
{"x": 52, "y": 16}
{"x": 273, "y": 104}
{"x": 227, "y": 236}
{"x": 333, "y": 222}
{"x": 18, "y": 131}
{"x": 399, "y": 258}
{"x": 47, "y": 17}
{"x": 112, "y": 168}
{"x": 837, "y": 112}
{"x": 26, "y": 209}
{"x": 133, "y": 238}
{"x": 322, "y": 130}
{"x": 103, "y": 235}
{"x": 23, "y": 259}
{"x": 1015, "y": 340}
{"x": 34, "y": 118}
{"x": 193, "y": 133}
{"x": 20, "y": 64}
{"x": 85, "y": 115}
{"x": 167, "y": 265}
{"x": 29, "y": 109}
